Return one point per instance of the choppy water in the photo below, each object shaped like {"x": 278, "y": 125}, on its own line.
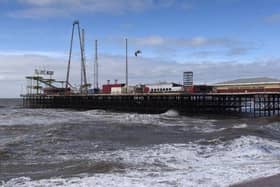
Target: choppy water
{"x": 56, "y": 147}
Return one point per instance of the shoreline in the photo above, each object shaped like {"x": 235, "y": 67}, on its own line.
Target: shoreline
{"x": 272, "y": 181}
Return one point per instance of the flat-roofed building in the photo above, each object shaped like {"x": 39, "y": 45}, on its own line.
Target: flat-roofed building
{"x": 164, "y": 87}
{"x": 260, "y": 84}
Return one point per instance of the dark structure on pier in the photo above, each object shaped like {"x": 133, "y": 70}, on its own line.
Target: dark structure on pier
{"x": 251, "y": 104}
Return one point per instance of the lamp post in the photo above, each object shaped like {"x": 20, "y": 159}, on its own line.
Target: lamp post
{"x": 126, "y": 65}
{"x": 126, "y": 62}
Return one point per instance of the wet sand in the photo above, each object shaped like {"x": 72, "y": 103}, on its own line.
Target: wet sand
{"x": 273, "y": 181}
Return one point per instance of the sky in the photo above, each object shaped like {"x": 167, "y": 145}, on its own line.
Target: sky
{"x": 218, "y": 40}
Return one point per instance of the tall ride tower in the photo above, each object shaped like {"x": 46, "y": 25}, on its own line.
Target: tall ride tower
{"x": 84, "y": 85}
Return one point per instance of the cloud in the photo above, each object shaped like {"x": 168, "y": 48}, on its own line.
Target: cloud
{"x": 38, "y": 12}
{"x": 14, "y": 68}
{"x": 41, "y": 2}
{"x": 239, "y": 51}
{"x": 188, "y": 42}
{"x": 54, "y": 8}
{"x": 207, "y": 46}
{"x": 235, "y": 51}
{"x": 151, "y": 41}
{"x": 275, "y": 18}
{"x": 205, "y": 53}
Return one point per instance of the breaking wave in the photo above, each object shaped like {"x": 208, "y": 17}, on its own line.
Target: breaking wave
{"x": 15, "y": 117}
{"x": 240, "y": 126}
{"x": 189, "y": 164}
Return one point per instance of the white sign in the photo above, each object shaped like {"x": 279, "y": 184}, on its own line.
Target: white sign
{"x": 43, "y": 72}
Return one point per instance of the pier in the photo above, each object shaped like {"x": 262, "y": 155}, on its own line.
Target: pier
{"x": 245, "y": 104}
{"x": 254, "y": 97}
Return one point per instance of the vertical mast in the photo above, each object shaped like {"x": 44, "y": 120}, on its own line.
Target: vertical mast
{"x": 95, "y": 84}
{"x": 126, "y": 65}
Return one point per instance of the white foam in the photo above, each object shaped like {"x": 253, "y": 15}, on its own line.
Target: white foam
{"x": 240, "y": 126}
{"x": 179, "y": 165}
{"x": 171, "y": 113}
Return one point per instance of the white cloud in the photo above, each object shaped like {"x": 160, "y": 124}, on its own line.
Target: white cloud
{"x": 38, "y": 12}
{"x": 54, "y": 8}
{"x": 189, "y": 42}
{"x": 39, "y": 3}
{"x": 151, "y": 41}
{"x": 192, "y": 42}
{"x": 14, "y": 68}
{"x": 208, "y": 46}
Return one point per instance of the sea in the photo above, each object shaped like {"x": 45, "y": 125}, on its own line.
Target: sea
{"x": 59, "y": 147}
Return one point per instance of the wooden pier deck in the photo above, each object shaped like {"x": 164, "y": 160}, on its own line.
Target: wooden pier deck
{"x": 249, "y": 104}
